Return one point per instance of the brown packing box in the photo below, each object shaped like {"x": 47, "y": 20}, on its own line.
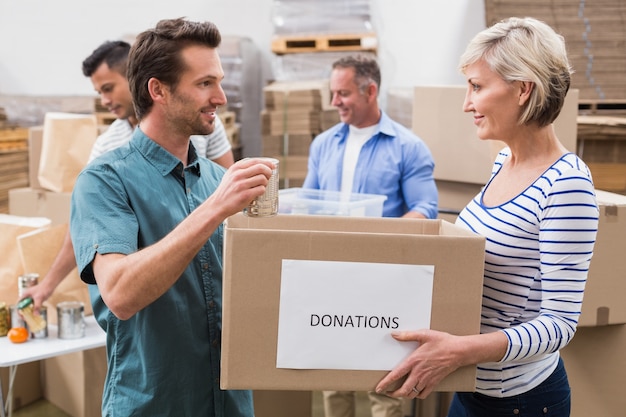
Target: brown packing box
{"x": 35, "y": 140}
{"x": 454, "y": 196}
{"x": 26, "y": 386}
{"x": 282, "y": 403}
{"x": 252, "y": 288}
{"x": 33, "y": 202}
{"x": 74, "y": 382}
{"x": 596, "y": 369}
{"x": 606, "y": 283}
{"x": 450, "y": 134}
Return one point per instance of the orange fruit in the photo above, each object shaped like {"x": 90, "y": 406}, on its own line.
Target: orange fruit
{"x": 18, "y": 335}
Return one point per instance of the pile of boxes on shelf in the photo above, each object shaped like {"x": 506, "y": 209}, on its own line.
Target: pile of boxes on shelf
{"x": 295, "y": 112}
{"x": 50, "y": 175}
{"x": 308, "y": 37}
{"x": 241, "y": 60}
{"x": 13, "y": 159}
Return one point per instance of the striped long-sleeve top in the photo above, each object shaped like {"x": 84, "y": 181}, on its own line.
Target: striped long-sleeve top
{"x": 538, "y": 249}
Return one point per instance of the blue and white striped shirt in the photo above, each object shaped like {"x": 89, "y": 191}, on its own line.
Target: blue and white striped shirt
{"x": 538, "y": 248}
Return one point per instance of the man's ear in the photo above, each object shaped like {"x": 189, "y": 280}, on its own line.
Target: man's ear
{"x": 372, "y": 92}
{"x": 158, "y": 91}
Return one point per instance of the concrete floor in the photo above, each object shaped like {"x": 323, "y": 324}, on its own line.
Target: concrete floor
{"x": 40, "y": 408}
{"x": 43, "y": 408}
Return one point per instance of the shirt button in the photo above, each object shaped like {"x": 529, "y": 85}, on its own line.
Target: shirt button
{"x": 516, "y": 411}
{"x": 95, "y": 246}
{"x": 205, "y": 266}
{"x": 211, "y": 304}
{"x": 188, "y": 190}
{"x": 545, "y": 410}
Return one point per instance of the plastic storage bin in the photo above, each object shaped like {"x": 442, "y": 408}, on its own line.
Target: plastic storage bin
{"x": 331, "y": 203}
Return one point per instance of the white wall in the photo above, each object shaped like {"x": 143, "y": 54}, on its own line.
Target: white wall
{"x": 43, "y": 43}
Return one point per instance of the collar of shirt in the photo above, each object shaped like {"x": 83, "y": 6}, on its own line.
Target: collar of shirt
{"x": 164, "y": 161}
{"x": 385, "y": 128}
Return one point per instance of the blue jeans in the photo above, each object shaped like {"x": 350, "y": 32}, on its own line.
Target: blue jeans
{"x": 552, "y": 398}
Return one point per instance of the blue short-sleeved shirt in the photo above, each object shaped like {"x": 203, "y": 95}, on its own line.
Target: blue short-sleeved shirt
{"x": 394, "y": 162}
{"x": 165, "y": 360}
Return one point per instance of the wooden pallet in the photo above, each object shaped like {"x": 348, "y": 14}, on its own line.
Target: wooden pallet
{"x": 325, "y": 42}
{"x": 602, "y": 107}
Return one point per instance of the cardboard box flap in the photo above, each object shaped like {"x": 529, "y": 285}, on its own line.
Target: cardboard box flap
{"x": 253, "y": 252}
{"x": 295, "y": 222}
{"x": 608, "y": 198}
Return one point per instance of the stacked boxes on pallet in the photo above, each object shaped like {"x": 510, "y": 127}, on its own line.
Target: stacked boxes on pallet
{"x": 594, "y": 33}
{"x": 13, "y": 160}
{"x": 295, "y": 112}
{"x": 241, "y": 60}
{"x": 308, "y": 37}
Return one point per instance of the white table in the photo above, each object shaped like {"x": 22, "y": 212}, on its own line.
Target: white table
{"x": 14, "y": 354}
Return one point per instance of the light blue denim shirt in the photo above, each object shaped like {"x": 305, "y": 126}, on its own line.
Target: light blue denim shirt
{"x": 165, "y": 360}
{"x": 394, "y": 162}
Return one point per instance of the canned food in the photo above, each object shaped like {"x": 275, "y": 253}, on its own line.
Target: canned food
{"x": 266, "y": 204}
{"x": 26, "y": 280}
{"x": 71, "y": 319}
{"x": 34, "y": 321}
{"x": 5, "y": 319}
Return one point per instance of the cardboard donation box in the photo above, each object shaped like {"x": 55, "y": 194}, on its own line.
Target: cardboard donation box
{"x": 292, "y": 281}
{"x": 603, "y": 302}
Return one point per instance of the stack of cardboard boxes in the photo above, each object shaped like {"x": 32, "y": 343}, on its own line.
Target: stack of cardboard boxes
{"x": 295, "y": 112}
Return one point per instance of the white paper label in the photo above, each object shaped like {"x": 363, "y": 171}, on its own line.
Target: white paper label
{"x": 340, "y": 315}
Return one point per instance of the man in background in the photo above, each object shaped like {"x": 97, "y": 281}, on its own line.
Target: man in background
{"x": 370, "y": 153}
{"x": 106, "y": 68}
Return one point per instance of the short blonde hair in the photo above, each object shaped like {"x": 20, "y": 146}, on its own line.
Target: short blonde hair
{"x": 526, "y": 49}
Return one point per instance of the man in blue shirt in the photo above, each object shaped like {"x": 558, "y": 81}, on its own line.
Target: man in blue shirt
{"x": 146, "y": 223}
{"x": 370, "y": 153}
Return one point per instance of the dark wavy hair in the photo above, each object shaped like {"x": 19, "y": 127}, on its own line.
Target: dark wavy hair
{"x": 114, "y": 53}
{"x": 156, "y": 53}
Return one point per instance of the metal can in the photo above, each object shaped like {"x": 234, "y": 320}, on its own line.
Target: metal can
{"x": 71, "y": 319}
{"x": 266, "y": 204}
{"x": 26, "y": 280}
{"x": 5, "y": 319}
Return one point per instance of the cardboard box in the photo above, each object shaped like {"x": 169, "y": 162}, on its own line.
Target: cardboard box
{"x": 252, "y": 288}
{"x": 606, "y": 283}
{"x": 454, "y": 196}
{"x": 459, "y": 154}
{"x": 596, "y": 369}
{"x": 35, "y": 140}
{"x": 32, "y": 202}
{"x": 282, "y": 403}
{"x": 75, "y": 382}
{"x": 26, "y": 386}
